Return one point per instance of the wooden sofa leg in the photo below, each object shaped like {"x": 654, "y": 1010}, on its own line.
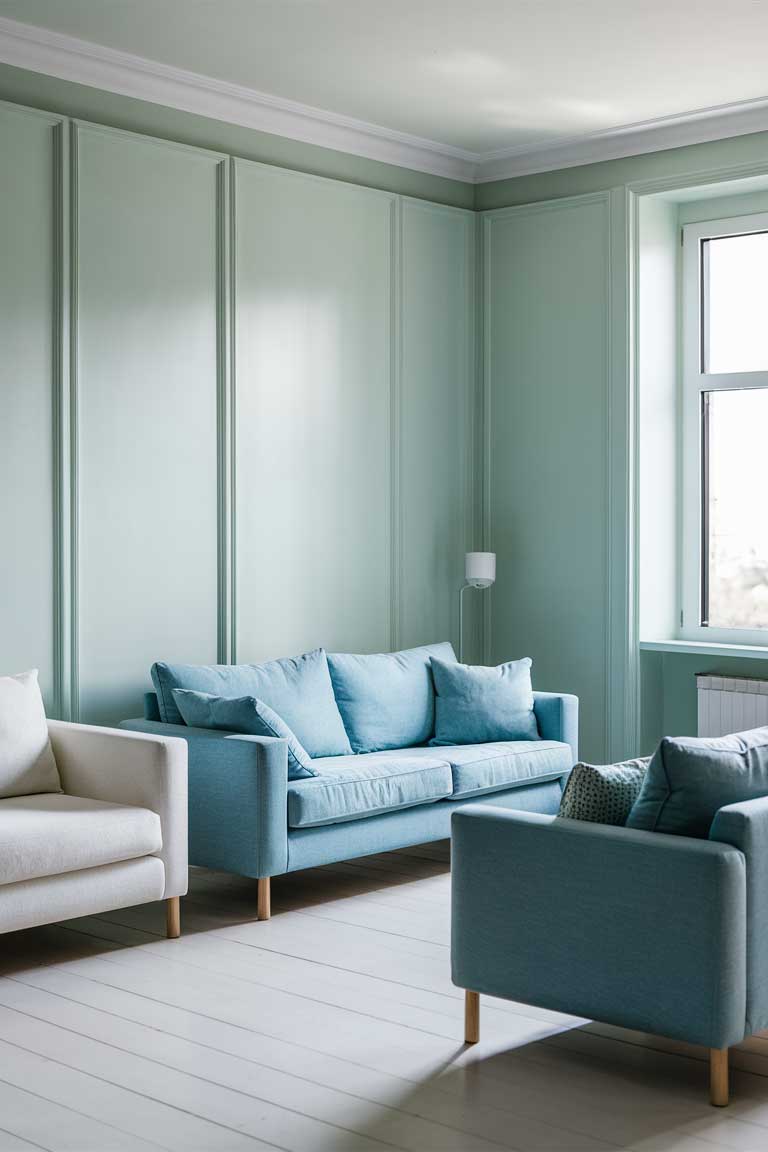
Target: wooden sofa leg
{"x": 263, "y": 899}
{"x": 471, "y": 1017}
{"x": 718, "y": 1077}
{"x": 173, "y": 917}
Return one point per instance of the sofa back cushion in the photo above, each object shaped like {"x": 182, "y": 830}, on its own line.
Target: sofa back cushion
{"x": 483, "y": 705}
{"x": 387, "y": 700}
{"x": 246, "y": 715}
{"x": 299, "y": 690}
{"x": 27, "y": 765}
{"x": 689, "y": 779}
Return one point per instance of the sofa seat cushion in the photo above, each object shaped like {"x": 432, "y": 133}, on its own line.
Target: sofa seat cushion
{"x": 480, "y": 768}
{"x": 51, "y": 833}
{"x": 352, "y": 787}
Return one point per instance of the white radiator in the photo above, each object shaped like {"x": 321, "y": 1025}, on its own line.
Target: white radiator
{"x": 731, "y": 704}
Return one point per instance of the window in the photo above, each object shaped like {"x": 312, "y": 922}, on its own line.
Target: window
{"x": 724, "y": 563}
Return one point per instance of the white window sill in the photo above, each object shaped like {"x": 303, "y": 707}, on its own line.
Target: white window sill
{"x": 702, "y": 648}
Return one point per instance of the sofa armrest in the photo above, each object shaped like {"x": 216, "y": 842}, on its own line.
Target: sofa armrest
{"x": 126, "y": 768}
{"x": 745, "y": 826}
{"x": 557, "y": 717}
{"x": 238, "y": 798}
{"x": 633, "y": 928}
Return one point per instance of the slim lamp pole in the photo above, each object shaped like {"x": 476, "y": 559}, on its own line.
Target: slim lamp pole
{"x": 461, "y": 621}
{"x": 479, "y": 572}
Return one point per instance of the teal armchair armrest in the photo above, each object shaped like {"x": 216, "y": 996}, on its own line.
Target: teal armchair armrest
{"x": 557, "y": 717}
{"x": 632, "y": 928}
{"x": 745, "y": 826}
{"x": 238, "y": 798}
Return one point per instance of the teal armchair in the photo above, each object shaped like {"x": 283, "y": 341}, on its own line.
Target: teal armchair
{"x": 664, "y": 934}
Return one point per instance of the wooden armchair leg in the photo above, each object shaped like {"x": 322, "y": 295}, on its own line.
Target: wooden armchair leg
{"x": 718, "y": 1077}
{"x": 263, "y": 899}
{"x": 471, "y": 1017}
{"x": 173, "y": 917}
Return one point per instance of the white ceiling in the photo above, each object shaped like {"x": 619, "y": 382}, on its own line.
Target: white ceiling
{"x": 483, "y": 76}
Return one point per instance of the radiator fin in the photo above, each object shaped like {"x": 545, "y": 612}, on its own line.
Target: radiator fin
{"x": 731, "y": 704}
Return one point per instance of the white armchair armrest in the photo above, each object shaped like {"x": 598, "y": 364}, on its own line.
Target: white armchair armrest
{"x": 130, "y": 768}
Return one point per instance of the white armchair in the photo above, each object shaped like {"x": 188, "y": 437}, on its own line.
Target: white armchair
{"x": 115, "y": 836}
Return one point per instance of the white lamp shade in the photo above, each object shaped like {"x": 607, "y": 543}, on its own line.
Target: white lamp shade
{"x": 480, "y": 569}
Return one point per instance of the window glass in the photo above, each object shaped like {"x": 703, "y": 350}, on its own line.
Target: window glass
{"x": 735, "y": 303}
{"x": 735, "y": 508}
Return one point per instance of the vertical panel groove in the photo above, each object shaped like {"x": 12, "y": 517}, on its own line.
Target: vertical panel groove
{"x": 224, "y": 414}
{"x": 73, "y": 438}
{"x": 610, "y": 500}
{"x": 231, "y": 431}
{"x": 485, "y": 423}
{"x": 633, "y": 623}
{"x": 395, "y": 429}
{"x": 625, "y": 711}
{"x": 60, "y": 423}
{"x": 474, "y": 494}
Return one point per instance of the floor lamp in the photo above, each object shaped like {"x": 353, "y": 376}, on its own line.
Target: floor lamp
{"x": 479, "y": 572}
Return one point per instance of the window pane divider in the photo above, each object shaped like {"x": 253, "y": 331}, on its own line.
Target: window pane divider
{"x": 722, "y": 381}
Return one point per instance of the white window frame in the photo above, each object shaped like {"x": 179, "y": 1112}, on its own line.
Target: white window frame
{"x": 695, "y": 382}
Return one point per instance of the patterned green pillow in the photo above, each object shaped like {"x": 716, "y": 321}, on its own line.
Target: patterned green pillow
{"x": 603, "y": 793}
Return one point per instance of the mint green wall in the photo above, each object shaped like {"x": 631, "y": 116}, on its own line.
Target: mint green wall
{"x": 314, "y": 373}
{"x": 334, "y": 319}
{"x": 669, "y": 690}
{"x": 354, "y": 399}
{"x": 29, "y": 260}
{"x": 145, "y": 382}
{"x": 579, "y": 639}
{"x": 238, "y": 410}
{"x": 546, "y": 357}
{"x": 78, "y": 101}
{"x": 439, "y": 477}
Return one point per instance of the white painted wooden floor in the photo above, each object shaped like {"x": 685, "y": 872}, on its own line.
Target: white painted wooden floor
{"x": 332, "y": 1027}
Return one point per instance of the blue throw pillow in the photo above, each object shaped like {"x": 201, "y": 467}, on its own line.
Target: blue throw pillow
{"x": 298, "y": 689}
{"x": 689, "y": 779}
{"x": 481, "y": 705}
{"x": 387, "y": 700}
{"x": 244, "y": 714}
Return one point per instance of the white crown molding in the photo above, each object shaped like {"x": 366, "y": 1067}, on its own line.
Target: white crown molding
{"x": 83, "y": 62}
{"x": 698, "y": 127}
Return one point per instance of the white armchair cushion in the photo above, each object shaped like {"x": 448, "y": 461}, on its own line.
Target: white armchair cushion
{"x": 83, "y": 893}
{"x": 46, "y": 835}
{"x": 130, "y": 768}
{"x": 27, "y": 764}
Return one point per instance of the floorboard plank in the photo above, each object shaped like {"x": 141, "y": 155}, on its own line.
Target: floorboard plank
{"x": 334, "y": 1026}
{"x": 340, "y": 1109}
{"x": 133, "y": 1113}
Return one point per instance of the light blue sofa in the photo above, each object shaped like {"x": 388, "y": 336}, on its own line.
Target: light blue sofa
{"x": 246, "y": 816}
{"x": 662, "y": 933}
